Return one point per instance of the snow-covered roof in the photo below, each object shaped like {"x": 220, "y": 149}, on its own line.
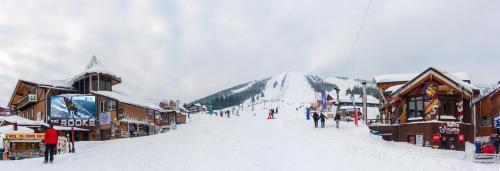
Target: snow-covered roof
{"x": 135, "y": 121}
{"x": 93, "y": 67}
{"x": 10, "y": 129}
{"x": 128, "y": 99}
{"x": 54, "y": 84}
{"x": 468, "y": 87}
{"x": 393, "y": 88}
{"x": 22, "y": 121}
{"x": 369, "y": 99}
{"x": 386, "y": 78}
{"x": 63, "y": 128}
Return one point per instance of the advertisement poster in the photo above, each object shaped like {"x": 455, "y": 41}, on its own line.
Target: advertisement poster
{"x": 72, "y": 107}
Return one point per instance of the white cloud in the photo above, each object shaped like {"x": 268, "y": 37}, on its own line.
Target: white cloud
{"x": 190, "y": 48}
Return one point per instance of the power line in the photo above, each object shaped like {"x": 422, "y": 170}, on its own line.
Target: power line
{"x": 356, "y": 38}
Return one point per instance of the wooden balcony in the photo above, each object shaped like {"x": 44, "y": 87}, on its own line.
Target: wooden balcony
{"x": 27, "y": 101}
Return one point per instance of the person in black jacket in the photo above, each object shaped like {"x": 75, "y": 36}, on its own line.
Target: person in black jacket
{"x": 315, "y": 118}
{"x": 337, "y": 120}
{"x": 323, "y": 118}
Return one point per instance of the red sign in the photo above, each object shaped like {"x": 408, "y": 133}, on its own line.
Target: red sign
{"x": 461, "y": 138}
{"x": 436, "y": 138}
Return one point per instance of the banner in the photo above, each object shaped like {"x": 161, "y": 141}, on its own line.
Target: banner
{"x": 105, "y": 118}
{"x": 24, "y": 136}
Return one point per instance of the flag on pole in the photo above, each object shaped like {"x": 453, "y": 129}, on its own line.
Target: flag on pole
{"x": 355, "y": 111}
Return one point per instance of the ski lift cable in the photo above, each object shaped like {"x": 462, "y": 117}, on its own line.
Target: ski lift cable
{"x": 356, "y": 37}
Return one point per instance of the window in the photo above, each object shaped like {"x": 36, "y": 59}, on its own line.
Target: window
{"x": 415, "y": 107}
{"x": 112, "y": 105}
{"x": 448, "y": 106}
{"x": 94, "y": 82}
{"x": 485, "y": 121}
{"x": 32, "y": 115}
{"x": 103, "y": 107}
{"x": 104, "y": 83}
{"x": 151, "y": 112}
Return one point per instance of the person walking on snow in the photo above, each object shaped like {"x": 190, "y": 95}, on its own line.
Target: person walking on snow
{"x": 337, "y": 120}
{"x": 315, "y": 118}
{"x": 308, "y": 117}
{"x": 272, "y": 113}
{"x": 323, "y": 118}
{"x": 50, "y": 140}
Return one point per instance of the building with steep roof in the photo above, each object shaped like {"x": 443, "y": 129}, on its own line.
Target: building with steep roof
{"x": 87, "y": 101}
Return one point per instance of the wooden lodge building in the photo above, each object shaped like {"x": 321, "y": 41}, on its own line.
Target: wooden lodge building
{"x": 488, "y": 115}
{"x": 88, "y": 102}
{"x": 431, "y": 109}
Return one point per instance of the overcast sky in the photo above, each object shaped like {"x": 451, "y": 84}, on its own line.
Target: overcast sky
{"x": 185, "y": 49}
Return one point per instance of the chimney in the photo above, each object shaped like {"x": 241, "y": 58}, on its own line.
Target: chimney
{"x": 15, "y": 126}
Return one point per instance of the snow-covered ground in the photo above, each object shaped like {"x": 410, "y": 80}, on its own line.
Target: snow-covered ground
{"x": 251, "y": 142}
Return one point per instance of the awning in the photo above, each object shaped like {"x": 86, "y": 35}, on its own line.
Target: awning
{"x": 63, "y": 128}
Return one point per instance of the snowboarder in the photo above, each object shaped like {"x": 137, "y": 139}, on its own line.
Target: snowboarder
{"x": 315, "y": 118}
{"x": 323, "y": 118}
{"x": 50, "y": 140}
{"x": 337, "y": 120}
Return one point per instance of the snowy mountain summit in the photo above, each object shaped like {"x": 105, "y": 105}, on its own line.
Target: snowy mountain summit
{"x": 294, "y": 87}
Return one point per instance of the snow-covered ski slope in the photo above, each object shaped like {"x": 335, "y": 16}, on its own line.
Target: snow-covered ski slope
{"x": 251, "y": 142}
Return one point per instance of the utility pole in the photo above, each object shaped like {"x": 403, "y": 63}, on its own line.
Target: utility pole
{"x": 365, "y": 108}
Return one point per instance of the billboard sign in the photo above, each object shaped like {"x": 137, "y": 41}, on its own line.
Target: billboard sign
{"x": 73, "y": 110}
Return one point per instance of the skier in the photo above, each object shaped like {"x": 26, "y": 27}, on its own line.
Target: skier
{"x": 270, "y": 115}
{"x": 228, "y": 114}
{"x": 50, "y": 140}
{"x": 276, "y": 110}
{"x": 315, "y": 118}
{"x": 221, "y": 114}
{"x": 337, "y": 120}
{"x": 323, "y": 118}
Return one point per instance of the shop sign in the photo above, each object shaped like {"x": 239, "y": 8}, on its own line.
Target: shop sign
{"x": 436, "y": 137}
{"x": 450, "y": 128}
{"x": 74, "y": 122}
{"x": 24, "y": 136}
{"x": 461, "y": 138}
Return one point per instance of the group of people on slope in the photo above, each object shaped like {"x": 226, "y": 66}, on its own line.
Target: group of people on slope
{"x": 321, "y": 117}
{"x": 272, "y": 111}
{"x": 221, "y": 113}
